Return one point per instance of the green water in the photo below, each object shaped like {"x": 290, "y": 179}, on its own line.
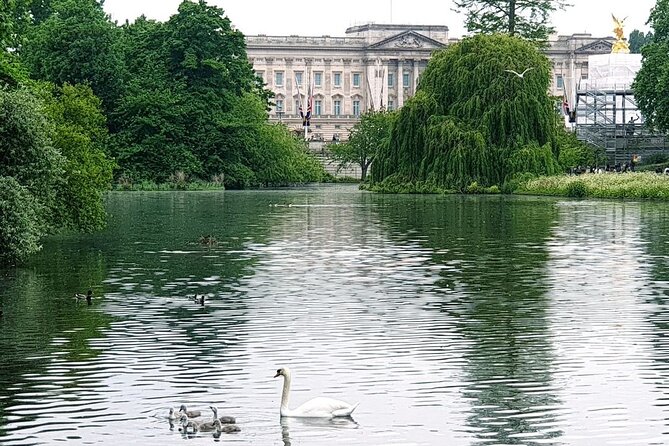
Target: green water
{"x": 452, "y": 320}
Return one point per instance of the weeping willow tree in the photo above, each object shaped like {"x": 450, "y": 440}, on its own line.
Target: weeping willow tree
{"x": 474, "y": 120}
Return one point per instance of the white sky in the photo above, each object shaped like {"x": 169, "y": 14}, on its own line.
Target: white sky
{"x": 332, "y": 17}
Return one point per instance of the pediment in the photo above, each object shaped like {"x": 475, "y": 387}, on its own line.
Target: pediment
{"x": 597, "y": 47}
{"x": 408, "y": 40}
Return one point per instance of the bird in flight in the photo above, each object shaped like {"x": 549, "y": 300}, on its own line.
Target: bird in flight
{"x": 521, "y": 75}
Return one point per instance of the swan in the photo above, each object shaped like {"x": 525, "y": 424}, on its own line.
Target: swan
{"x": 189, "y": 413}
{"x": 224, "y": 419}
{"x": 226, "y": 428}
{"x": 186, "y": 423}
{"x": 173, "y": 414}
{"x": 316, "y": 408}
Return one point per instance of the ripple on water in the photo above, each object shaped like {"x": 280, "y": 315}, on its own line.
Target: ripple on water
{"x": 460, "y": 322}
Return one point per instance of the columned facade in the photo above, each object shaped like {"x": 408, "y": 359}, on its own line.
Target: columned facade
{"x": 375, "y": 66}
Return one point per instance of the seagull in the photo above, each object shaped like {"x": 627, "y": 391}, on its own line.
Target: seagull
{"x": 520, "y": 75}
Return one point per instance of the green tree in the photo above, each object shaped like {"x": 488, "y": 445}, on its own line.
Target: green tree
{"x": 651, "y": 83}
{"x": 30, "y": 169}
{"x": 525, "y": 18}
{"x": 367, "y": 137}
{"x": 20, "y": 224}
{"x": 472, "y": 120}
{"x": 76, "y": 45}
{"x": 638, "y": 39}
{"x": 79, "y": 133}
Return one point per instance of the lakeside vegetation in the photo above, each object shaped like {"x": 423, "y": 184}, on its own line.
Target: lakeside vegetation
{"x": 635, "y": 185}
{"x": 169, "y": 105}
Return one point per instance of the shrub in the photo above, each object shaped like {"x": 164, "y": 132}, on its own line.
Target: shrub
{"x": 19, "y": 229}
{"x": 577, "y": 189}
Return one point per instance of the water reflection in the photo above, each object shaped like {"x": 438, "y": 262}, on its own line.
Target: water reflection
{"x": 305, "y": 425}
{"x": 494, "y": 285}
{"x": 452, "y": 320}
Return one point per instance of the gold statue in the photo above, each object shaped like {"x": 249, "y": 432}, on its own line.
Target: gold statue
{"x": 620, "y": 45}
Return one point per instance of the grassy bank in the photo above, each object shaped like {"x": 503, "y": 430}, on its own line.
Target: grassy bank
{"x": 641, "y": 185}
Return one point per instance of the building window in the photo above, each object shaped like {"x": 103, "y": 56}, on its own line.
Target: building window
{"x": 337, "y": 79}
{"x": 318, "y": 126}
{"x": 584, "y": 75}
{"x": 279, "y": 105}
{"x": 356, "y": 108}
{"x": 391, "y": 105}
{"x": 298, "y": 78}
{"x": 297, "y": 106}
{"x": 356, "y": 80}
{"x": 318, "y": 78}
{"x": 278, "y": 78}
{"x": 391, "y": 80}
{"x": 337, "y": 108}
{"x": 318, "y": 107}
{"x": 337, "y": 127}
{"x": 261, "y": 75}
{"x": 559, "y": 81}
{"x": 406, "y": 80}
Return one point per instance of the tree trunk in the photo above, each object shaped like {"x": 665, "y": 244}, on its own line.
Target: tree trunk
{"x": 363, "y": 171}
{"x": 512, "y": 17}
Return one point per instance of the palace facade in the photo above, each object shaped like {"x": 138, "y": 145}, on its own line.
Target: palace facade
{"x": 377, "y": 66}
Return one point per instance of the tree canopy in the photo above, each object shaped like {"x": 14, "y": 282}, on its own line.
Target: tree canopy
{"x": 638, "y": 39}
{"x": 366, "y": 139}
{"x": 652, "y": 83}
{"x": 526, "y": 18}
{"x": 473, "y": 120}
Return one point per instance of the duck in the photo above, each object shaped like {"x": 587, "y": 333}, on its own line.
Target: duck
{"x": 88, "y": 296}
{"x": 223, "y": 419}
{"x": 315, "y": 408}
{"x": 208, "y": 240}
{"x": 189, "y": 413}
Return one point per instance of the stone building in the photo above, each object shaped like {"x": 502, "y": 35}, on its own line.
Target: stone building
{"x": 376, "y": 66}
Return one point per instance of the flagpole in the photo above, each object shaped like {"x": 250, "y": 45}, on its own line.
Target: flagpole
{"x": 305, "y": 122}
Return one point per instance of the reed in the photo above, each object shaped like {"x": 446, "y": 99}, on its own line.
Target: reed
{"x": 633, "y": 185}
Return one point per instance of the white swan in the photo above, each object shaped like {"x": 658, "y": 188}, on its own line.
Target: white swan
{"x": 316, "y": 408}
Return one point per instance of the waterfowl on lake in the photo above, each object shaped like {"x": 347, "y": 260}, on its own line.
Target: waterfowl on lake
{"x": 189, "y": 413}
{"x": 208, "y": 240}
{"x": 88, "y": 296}
{"x": 316, "y": 408}
{"x": 226, "y": 428}
{"x": 173, "y": 414}
{"x": 223, "y": 419}
{"x": 187, "y": 423}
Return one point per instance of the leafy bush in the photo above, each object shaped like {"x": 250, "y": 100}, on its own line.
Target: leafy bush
{"x": 20, "y": 231}
{"x": 577, "y": 189}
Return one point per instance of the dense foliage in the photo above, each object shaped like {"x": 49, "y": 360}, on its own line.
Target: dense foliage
{"x": 193, "y": 106}
{"x": 609, "y": 185}
{"x": 652, "y": 83}
{"x": 525, "y": 18}
{"x": 638, "y": 40}
{"x": 175, "y": 101}
{"x": 472, "y": 121}
{"x": 77, "y": 44}
{"x": 368, "y": 136}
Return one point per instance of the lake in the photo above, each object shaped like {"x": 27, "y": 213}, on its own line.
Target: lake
{"x": 459, "y": 320}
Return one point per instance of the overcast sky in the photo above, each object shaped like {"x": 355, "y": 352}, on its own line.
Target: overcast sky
{"x": 315, "y": 18}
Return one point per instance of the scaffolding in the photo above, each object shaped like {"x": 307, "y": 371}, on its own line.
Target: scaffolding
{"x": 609, "y": 119}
